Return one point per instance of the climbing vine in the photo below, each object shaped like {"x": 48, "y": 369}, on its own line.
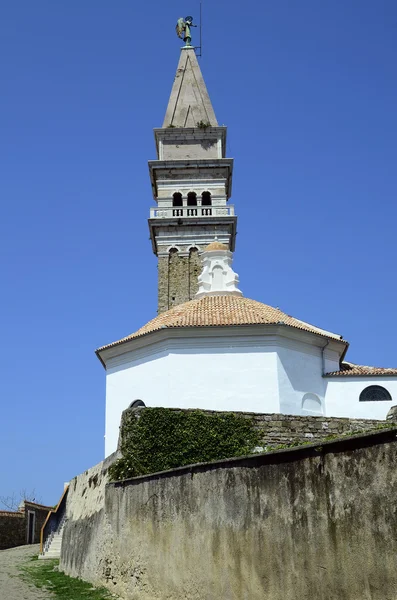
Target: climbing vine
{"x": 203, "y": 124}
{"x": 159, "y": 439}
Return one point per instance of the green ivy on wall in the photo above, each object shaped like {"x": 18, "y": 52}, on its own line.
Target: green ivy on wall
{"x": 160, "y": 439}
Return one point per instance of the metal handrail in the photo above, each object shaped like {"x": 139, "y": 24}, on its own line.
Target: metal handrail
{"x": 53, "y": 519}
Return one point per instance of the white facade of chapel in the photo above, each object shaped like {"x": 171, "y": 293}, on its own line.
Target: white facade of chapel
{"x": 249, "y": 372}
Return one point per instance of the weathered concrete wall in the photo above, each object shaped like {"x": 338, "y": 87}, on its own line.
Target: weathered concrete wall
{"x": 82, "y": 535}
{"x": 12, "y": 529}
{"x": 314, "y": 522}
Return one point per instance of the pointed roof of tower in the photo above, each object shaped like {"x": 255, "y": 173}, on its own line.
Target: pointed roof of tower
{"x": 189, "y": 102}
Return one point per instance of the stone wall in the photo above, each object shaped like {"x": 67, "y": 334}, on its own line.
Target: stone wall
{"x": 177, "y": 278}
{"x": 195, "y": 268}
{"x": 162, "y": 284}
{"x": 14, "y": 525}
{"x": 311, "y": 522}
{"x": 279, "y": 429}
{"x": 276, "y": 429}
{"x": 12, "y": 529}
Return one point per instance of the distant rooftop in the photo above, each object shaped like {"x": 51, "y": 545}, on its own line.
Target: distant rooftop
{"x": 349, "y": 369}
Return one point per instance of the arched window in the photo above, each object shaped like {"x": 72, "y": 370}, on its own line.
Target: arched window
{"x": 177, "y": 199}
{"x": 374, "y": 393}
{"x": 206, "y": 199}
{"x": 191, "y": 199}
{"x": 137, "y": 404}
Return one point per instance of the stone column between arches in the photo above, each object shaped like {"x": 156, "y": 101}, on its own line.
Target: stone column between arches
{"x": 195, "y": 269}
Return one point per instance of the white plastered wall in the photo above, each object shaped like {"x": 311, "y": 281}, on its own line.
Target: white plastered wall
{"x": 242, "y": 378}
{"x": 342, "y": 397}
{"x": 258, "y": 373}
{"x": 255, "y": 374}
{"x": 300, "y": 378}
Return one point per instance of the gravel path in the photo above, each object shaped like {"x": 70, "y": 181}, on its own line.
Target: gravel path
{"x": 11, "y": 586}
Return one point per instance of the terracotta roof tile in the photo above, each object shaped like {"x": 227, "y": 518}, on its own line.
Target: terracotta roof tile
{"x": 351, "y": 370}
{"x": 222, "y": 311}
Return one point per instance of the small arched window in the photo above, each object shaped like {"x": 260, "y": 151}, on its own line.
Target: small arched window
{"x": 177, "y": 199}
{"x": 137, "y": 404}
{"x": 374, "y": 393}
{"x": 206, "y": 199}
{"x": 191, "y": 199}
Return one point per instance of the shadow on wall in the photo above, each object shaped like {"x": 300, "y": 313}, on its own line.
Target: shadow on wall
{"x": 300, "y": 378}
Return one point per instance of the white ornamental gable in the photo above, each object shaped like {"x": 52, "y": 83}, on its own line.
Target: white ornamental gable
{"x": 217, "y": 277}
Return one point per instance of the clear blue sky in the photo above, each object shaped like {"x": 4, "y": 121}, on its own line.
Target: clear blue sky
{"x": 309, "y": 92}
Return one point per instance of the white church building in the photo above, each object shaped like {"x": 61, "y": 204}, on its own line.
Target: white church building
{"x": 210, "y": 347}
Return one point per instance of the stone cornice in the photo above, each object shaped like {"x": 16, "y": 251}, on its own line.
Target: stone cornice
{"x": 188, "y": 223}
{"x": 165, "y": 166}
{"x": 175, "y": 134}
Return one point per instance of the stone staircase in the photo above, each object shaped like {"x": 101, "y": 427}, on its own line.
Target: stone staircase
{"x": 52, "y": 545}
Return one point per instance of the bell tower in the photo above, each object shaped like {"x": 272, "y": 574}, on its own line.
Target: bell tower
{"x": 192, "y": 183}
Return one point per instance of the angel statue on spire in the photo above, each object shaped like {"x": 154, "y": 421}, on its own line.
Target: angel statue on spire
{"x": 183, "y": 29}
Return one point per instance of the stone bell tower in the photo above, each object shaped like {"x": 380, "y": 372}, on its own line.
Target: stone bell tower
{"x": 192, "y": 183}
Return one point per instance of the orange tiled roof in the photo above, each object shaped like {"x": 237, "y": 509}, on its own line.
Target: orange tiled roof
{"x": 222, "y": 311}
{"x": 350, "y": 370}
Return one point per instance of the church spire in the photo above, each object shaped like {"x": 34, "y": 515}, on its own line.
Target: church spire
{"x": 192, "y": 183}
{"x": 189, "y": 102}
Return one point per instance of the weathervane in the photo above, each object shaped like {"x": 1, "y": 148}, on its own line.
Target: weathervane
{"x": 183, "y": 30}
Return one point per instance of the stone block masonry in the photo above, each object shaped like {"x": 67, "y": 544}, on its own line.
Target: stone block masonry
{"x": 177, "y": 278}
{"x": 12, "y": 529}
{"x": 14, "y": 526}
{"x": 163, "y": 292}
{"x": 194, "y": 272}
{"x": 277, "y": 429}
